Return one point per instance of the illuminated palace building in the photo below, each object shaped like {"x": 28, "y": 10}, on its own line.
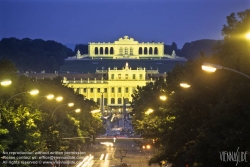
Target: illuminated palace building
{"x": 111, "y": 85}
{"x": 125, "y": 48}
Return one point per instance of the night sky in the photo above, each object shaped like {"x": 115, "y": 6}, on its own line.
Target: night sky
{"x": 83, "y": 21}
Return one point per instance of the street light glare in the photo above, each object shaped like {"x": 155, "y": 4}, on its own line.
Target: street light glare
{"x": 59, "y": 98}
{"x": 77, "y": 110}
{"x": 50, "y": 96}
{"x": 149, "y": 111}
{"x": 6, "y": 82}
{"x": 208, "y": 68}
{"x": 163, "y": 97}
{"x": 95, "y": 111}
{"x": 34, "y": 92}
{"x": 184, "y": 85}
{"x": 248, "y": 36}
{"x": 70, "y": 104}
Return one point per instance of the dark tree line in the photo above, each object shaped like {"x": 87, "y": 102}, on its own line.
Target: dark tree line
{"x": 195, "y": 125}
{"x": 34, "y": 55}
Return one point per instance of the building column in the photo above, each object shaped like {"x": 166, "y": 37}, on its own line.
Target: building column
{"x": 88, "y": 92}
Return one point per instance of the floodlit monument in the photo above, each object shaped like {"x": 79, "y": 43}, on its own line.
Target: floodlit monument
{"x": 125, "y": 48}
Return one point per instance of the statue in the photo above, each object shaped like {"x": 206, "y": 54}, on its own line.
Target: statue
{"x": 173, "y": 54}
{"x": 78, "y": 54}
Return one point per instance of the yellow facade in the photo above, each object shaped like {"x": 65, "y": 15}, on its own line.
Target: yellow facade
{"x": 115, "y": 84}
{"x": 126, "y": 48}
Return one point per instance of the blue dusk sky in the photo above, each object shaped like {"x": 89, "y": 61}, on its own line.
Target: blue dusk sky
{"x": 83, "y": 21}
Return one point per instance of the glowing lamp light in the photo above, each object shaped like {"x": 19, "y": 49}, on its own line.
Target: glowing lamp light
{"x": 163, "y": 97}
{"x": 6, "y": 82}
{"x": 248, "y": 36}
{"x": 59, "y": 98}
{"x": 34, "y": 92}
{"x": 184, "y": 85}
{"x": 208, "y": 68}
{"x": 149, "y": 111}
{"x": 50, "y": 96}
{"x": 77, "y": 110}
{"x": 70, "y": 104}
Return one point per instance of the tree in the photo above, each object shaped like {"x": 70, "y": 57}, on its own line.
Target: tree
{"x": 211, "y": 116}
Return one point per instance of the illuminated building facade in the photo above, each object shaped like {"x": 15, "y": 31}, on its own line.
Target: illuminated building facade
{"x": 125, "y": 48}
{"x": 113, "y": 85}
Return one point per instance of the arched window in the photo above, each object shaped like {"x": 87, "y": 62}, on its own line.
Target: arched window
{"x": 106, "y": 50}
{"x": 140, "y": 50}
{"x": 111, "y": 50}
{"x": 96, "y": 50}
{"x": 126, "y": 51}
{"x": 112, "y": 100}
{"x": 145, "y": 50}
{"x": 131, "y": 51}
{"x": 101, "y": 50}
{"x": 156, "y": 51}
{"x": 150, "y": 51}
{"x": 119, "y": 100}
{"x": 121, "y": 51}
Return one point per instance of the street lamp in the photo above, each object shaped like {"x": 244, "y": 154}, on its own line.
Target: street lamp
{"x": 149, "y": 111}
{"x": 49, "y": 97}
{"x": 213, "y": 67}
{"x": 163, "y": 97}
{"x": 59, "y": 98}
{"x": 69, "y": 105}
{"x": 95, "y": 111}
{"x": 32, "y": 92}
{"x": 6, "y": 82}
{"x": 76, "y": 110}
{"x": 184, "y": 85}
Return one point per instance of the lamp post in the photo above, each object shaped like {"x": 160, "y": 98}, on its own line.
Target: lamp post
{"x": 5, "y": 82}
{"x": 184, "y": 85}
{"x": 163, "y": 97}
{"x": 76, "y": 110}
{"x": 123, "y": 153}
{"x": 95, "y": 111}
{"x": 213, "y": 67}
{"x": 69, "y": 104}
{"x": 48, "y": 97}
{"x": 149, "y": 111}
{"x": 32, "y": 92}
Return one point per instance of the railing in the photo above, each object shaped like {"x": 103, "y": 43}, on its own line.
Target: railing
{"x": 102, "y": 81}
{"x": 84, "y": 81}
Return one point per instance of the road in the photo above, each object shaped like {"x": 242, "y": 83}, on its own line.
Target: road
{"x": 111, "y": 155}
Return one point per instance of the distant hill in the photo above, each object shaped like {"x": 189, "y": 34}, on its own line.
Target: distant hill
{"x": 192, "y": 50}
{"x": 34, "y": 55}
